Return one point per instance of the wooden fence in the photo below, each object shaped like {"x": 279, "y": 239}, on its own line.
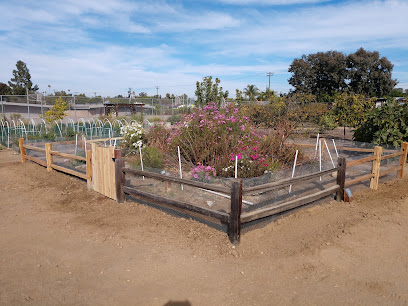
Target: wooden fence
{"x": 49, "y": 160}
{"x": 235, "y": 218}
{"x": 376, "y": 159}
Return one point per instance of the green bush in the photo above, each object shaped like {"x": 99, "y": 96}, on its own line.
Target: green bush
{"x": 327, "y": 122}
{"x": 152, "y": 158}
{"x": 175, "y": 118}
{"x": 385, "y": 125}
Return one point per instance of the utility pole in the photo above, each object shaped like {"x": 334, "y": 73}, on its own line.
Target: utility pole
{"x": 269, "y": 74}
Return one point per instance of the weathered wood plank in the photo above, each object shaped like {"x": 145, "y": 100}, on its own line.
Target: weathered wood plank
{"x": 269, "y": 211}
{"x": 360, "y": 161}
{"x": 375, "y": 168}
{"x": 403, "y": 159}
{"x": 234, "y": 226}
{"x": 69, "y": 171}
{"x": 22, "y": 150}
{"x": 37, "y": 160}
{"x": 103, "y": 139}
{"x": 384, "y": 157}
{"x": 223, "y": 217}
{"x": 341, "y": 177}
{"x": 359, "y": 179}
{"x": 48, "y": 156}
{"x": 286, "y": 182}
{"x": 165, "y": 178}
{"x": 391, "y": 170}
{"x": 67, "y": 155}
{"x": 34, "y": 148}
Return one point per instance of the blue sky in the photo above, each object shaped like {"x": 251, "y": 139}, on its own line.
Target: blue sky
{"x": 108, "y": 46}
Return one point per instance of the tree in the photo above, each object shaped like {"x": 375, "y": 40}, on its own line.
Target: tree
{"x": 350, "y": 109}
{"x": 326, "y": 74}
{"x": 56, "y": 112}
{"x": 251, "y": 91}
{"x": 207, "y": 92}
{"x": 21, "y": 80}
{"x": 319, "y": 74}
{"x": 4, "y": 89}
{"x": 369, "y": 74}
{"x": 142, "y": 94}
{"x": 238, "y": 96}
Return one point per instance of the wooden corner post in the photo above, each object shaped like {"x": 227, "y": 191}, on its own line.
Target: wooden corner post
{"x": 403, "y": 159}
{"x": 375, "y": 168}
{"x": 48, "y": 149}
{"x": 234, "y": 226}
{"x": 89, "y": 169}
{"x": 119, "y": 176}
{"x": 22, "y": 150}
{"x": 341, "y": 178}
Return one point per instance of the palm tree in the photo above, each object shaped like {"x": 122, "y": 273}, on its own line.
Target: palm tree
{"x": 251, "y": 91}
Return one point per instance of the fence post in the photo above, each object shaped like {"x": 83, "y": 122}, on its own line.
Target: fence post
{"x": 89, "y": 169}
{"x": 234, "y": 226}
{"x": 375, "y": 168}
{"x": 48, "y": 148}
{"x": 119, "y": 176}
{"x": 22, "y": 150}
{"x": 403, "y": 159}
{"x": 341, "y": 178}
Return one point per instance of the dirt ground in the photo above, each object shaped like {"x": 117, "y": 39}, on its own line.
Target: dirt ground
{"x": 63, "y": 244}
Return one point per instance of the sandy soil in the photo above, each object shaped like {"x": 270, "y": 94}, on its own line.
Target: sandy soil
{"x": 63, "y": 244}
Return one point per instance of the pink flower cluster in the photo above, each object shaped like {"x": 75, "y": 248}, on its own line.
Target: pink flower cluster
{"x": 201, "y": 171}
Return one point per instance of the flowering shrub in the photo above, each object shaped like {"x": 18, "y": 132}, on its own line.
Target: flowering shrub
{"x": 132, "y": 134}
{"x": 203, "y": 173}
{"x": 210, "y": 138}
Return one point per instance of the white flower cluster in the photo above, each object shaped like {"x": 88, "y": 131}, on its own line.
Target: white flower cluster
{"x": 132, "y": 134}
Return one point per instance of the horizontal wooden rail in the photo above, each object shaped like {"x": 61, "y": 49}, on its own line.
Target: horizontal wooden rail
{"x": 360, "y": 161}
{"x": 69, "y": 171}
{"x": 359, "y": 179}
{"x": 391, "y": 155}
{"x": 167, "y": 178}
{"x": 34, "y": 148}
{"x": 391, "y": 170}
{"x": 36, "y": 160}
{"x": 104, "y": 139}
{"x": 308, "y": 145}
{"x": 67, "y": 155}
{"x": 269, "y": 211}
{"x": 223, "y": 217}
{"x": 286, "y": 182}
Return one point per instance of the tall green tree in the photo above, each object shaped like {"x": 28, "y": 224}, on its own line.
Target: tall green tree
{"x": 21, "y": 80}
{"x": 208, "y": 91}
{"x": 326, "y": 74}
{"x": 251, "y": 91}
{"x": 320, "y": 74}
{"x": 370, "y": 74}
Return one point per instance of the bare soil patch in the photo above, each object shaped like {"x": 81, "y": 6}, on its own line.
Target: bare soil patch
{"x": 61, "y": 243}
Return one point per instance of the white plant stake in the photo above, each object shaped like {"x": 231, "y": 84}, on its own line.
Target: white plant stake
{"x": 76, "y": 143}
{"x": 328, "y": 151}
{"x": 236, "y": 166}
{"x": 110, "y": 140}
{"x": 85, "y": 143}
{"x": 181, "y": 172}
{"x": 114, "y": 144}
{"x": 335, "y": 148}
{"x": 141, "y": 158}
{"x": 320, "y": 158}
{"x": 317, "y": 143}
{"x": 293, "y": 170}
